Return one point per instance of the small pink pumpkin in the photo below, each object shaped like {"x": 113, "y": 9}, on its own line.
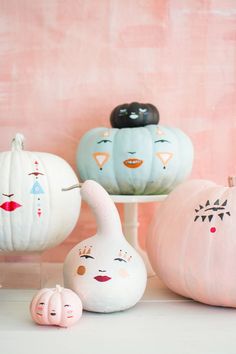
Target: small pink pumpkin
{"x": 59, "y": 306}
{"x": 192, "y": 245}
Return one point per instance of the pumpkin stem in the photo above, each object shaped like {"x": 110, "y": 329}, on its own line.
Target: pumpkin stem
{"x": 59, "y": 288}
{"x": 104, "y": 209}
{"x": 17, "y": 143}
{"x": 232, "y": 181}
{"x": 78, "y": 185}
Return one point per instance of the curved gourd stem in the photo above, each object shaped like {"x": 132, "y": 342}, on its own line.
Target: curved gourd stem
{"x": 106, "y": 214}
{"x": 18, "y": 142}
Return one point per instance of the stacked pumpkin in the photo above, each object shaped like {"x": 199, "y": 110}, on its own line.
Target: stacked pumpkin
{"x": 136, "y": 155}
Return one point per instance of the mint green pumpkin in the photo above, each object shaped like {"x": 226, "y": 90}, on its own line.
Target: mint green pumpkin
{"x": 144, "y": 160}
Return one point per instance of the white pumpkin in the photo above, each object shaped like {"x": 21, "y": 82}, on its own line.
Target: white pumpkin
{"x": 104, "y": 270}
{"x": 35, "y": 212}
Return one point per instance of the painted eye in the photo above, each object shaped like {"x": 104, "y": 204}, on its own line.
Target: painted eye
{"x": 120, "y": 259}
{"x": 66, "y": 305}
{"x": 143, "y": 110}
{"x": 104, "y": 141}
{"x": 41, "y": 303}
{"x": 162, "y": 141}
{"x": 86, "y": 256}
{"x": 122, "y": 112}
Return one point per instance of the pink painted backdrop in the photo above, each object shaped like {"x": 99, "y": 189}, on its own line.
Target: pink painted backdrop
{"x": 65, "y": 64}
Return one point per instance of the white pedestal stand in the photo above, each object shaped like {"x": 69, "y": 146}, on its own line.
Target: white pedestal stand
{"x": 131, "y": 223}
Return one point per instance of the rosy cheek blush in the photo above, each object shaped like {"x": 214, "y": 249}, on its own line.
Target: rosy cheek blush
{"x": 123, "y": 273}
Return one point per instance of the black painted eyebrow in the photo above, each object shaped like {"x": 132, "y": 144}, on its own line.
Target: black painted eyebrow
{"x": 215, "y": 208}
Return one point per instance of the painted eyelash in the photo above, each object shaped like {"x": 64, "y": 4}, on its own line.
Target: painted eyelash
{"x": 86, "y": 256}
{"x": 203, "y": 217}
{"x": 120, "y": 259}
{"x": 162, "y": 141}
{"x": 122, "y": 256}
{"x": 104, "y": 141}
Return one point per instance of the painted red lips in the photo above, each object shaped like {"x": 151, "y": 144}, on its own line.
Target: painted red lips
{"x": 102, "y": 278}
{"x": 133, "y": 163}
{"x": 10, "y": 206}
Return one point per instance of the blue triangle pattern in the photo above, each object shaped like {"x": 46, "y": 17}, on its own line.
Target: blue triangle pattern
{"x": 37, "y": 189}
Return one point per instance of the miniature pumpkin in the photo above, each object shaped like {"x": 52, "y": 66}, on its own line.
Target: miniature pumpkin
{"x": 36, "y": 213}
{"x": 134, "y": 115}
{"x": 145, "y": 160}
{"x": 104, "y": 270}
{"x": 192, "y": 244}
{"x": 58, "y": 307}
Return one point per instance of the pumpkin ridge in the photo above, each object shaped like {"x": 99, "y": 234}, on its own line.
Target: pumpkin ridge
{"x": 185, "y": 250}
{"x": 162, "y": 240}
{"x": 213, "y": 255}
{"x": 6, "y": 242}
{"x": 113, "y": 165}
{"x": 48, "y": 196}
{"x": 25, "y": 153}
{"x": 175, "y": 177}
{"x": 10, "y": 188}
{"x": 151, "y": 168}
{"x": 177, "y": 132}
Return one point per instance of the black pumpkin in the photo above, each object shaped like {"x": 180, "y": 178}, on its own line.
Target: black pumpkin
{"x": 129, "y": 115}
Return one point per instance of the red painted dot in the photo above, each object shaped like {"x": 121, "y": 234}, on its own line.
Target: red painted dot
{"x": 213, "y": 229}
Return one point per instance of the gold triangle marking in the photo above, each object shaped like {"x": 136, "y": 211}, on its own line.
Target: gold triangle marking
{"x": 101, "y": 158}
{"x": 165, "y": 157}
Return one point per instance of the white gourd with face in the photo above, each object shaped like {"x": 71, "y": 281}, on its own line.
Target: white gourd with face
{"x": 104, "y": 270}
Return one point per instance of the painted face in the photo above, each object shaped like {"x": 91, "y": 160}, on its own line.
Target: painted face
{"x": 37, "y": 190}
{"x": 133, "y": 112}
{"x": 32, "y": 197}
{"x": 54, "y": 307}
{"x": 107, "y": 276}
{"x": 210, "y": 212}
{"x": 132, "y": 148}
{"x": 118, "y": 265}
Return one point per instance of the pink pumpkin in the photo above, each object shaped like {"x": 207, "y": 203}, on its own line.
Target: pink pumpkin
{"x": 192, "y": 245}
{"x": 59, "y": 307}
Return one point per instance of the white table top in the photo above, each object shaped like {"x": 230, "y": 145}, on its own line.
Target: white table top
{"x": 162, "y": 322}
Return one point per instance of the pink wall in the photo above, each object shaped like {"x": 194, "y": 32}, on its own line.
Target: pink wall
{"x": 65, "y": 64}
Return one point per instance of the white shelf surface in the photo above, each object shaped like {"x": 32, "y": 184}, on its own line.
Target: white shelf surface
{"x": 162, "y": 322}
